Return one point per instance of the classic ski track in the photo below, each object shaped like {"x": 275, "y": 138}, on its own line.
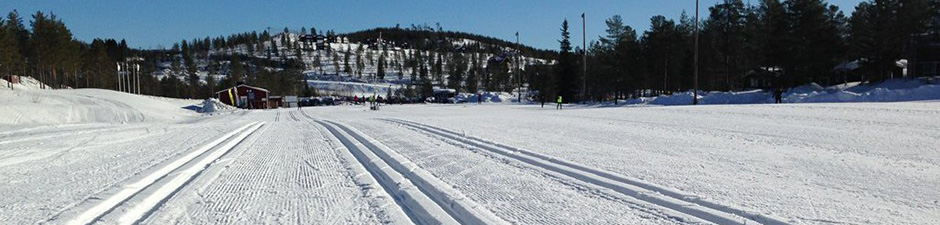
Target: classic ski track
{"x": 359, "y": 174}
{"x": 755, "y": 137}
{"x": 663, "y": 196}
{"x": 291, "y": 113}
{"x": 454, "y": 202}
{"x": 527, "y": 213}
{"x": 417, "y": 205}
{"x": 173, "y": 172}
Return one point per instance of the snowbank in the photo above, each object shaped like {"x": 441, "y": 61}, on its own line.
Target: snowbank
{"x": 26, "y": 83}
{"x": 27, "y": 105}
{"x": 894, "y": 90}
{"x": 212, "y": 105}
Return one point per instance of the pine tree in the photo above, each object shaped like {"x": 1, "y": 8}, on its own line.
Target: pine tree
{"x": 880, "y": 31}
{"x": 191, "y": 77}
{"x": 567, "y": 83}
{"x": 175, "y": 63}
{"x": 815, "y": 44}
{"x": 14, "y": 25}
{"x": 455, "y": 70}
{"x": 439, "y": 69}
{"x": 472, "y": 82}
{"x": 10, "y": 58}
{"x": 727, "y": 25}
{"x": 360, "y": 65}
{"x": 380, "y": 70}
{"x": 238, "y": 70}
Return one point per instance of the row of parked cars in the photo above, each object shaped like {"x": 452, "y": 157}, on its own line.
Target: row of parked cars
{"x": 335, "y": 100}
{"x": 318, "y": 101}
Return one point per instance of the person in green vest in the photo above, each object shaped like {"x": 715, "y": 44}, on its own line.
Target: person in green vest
{"x": 559, "y": 103}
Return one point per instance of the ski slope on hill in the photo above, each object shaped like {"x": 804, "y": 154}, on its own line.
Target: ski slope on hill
{"x": 137, "y": 159}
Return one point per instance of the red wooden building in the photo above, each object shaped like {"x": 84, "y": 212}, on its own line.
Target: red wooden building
{"x": 247, "y": 97}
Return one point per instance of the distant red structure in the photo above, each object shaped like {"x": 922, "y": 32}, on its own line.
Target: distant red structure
{"x": 248, "y": 97}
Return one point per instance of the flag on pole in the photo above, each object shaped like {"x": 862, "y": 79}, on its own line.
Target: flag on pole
{"x": 582, "y": 15}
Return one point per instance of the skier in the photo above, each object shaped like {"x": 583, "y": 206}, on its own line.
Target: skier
{"x": 479, "y": 98}
{"x": 778, "y": 96}
{"x": 559, "y": 103}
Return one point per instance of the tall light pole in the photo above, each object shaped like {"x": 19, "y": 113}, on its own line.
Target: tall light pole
{"x": 138, "y": 79}
{"x": 119, "y": 84}
{"x": 584, "y": 58}
{"x": 128, "y": 77}
{"x": 695, "y": 83}
{"x": 518, "y": 59}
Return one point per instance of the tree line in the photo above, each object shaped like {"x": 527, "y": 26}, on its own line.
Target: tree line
{"x": 801, "y": 41}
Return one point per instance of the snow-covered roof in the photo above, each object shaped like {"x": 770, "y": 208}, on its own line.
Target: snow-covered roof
{"x": 247, "y": 86}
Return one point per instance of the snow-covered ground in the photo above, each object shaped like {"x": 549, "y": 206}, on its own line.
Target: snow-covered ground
{"x": 893, "y": 90}
{"x": 125, "y": 158}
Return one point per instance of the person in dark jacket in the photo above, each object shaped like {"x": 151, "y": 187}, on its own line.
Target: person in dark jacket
{"x": 778, "y": 95}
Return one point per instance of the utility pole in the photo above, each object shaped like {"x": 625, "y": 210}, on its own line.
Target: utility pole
{"x": 119, "y": 83}
{"x": 138, "y": 79}
{"x": 518, "y": 60}
{"x": 130, "y": 86}
{"x": 584, "y": 58}
{"x": 695, "y": 88}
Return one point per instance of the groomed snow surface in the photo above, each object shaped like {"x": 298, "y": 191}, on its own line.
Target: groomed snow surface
{"x": 98, "y": 156}
{"x": 892, "y": 90}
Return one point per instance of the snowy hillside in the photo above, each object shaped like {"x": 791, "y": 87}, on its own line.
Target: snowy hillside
{"x": 333, "y": 59}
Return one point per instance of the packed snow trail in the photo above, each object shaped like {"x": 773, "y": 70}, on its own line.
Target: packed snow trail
{"x": 519, "y": 194}
{"x": 172, "y": 183}
{"x": 801, "y": 163}
{"x": 419, "y": 207}
{"x": 652, "y": 193}
{"x": 852, "y": 163}
{"x": 288, "y": 174}
{"x": 461, "y": 208}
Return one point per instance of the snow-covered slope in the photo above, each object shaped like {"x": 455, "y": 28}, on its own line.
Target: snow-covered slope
{"x": 23, "y": 107}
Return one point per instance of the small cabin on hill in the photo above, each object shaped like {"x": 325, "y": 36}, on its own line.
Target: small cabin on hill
{"x": 247, "y": 97}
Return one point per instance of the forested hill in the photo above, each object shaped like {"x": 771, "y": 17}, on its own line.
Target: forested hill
{"x": 429, "y": 39}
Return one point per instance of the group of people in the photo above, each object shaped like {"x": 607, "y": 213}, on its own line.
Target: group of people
{"x": 372, "y": 100}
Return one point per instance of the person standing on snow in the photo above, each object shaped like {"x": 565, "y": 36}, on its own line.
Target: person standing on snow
{"x": 559, "y": 103}
{"x": 778, "y": 96}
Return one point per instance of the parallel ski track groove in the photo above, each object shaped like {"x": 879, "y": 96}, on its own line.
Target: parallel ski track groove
{"x": 419, "y": 207}
{"x": 452, "y": 201}
{"x": 671, "y": 199}
{"x": 108, "y": 205}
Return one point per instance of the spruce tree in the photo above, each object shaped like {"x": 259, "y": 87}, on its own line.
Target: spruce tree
{"x": 380, "y": 70}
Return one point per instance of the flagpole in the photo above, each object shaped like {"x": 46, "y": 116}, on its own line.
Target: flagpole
{"x": 695, "y": 88}
{"x": 584, "y": 58}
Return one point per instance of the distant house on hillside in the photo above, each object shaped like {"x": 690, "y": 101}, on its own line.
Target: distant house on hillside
{"x": 248, "y": 97}
{"x": 763, "y": 78}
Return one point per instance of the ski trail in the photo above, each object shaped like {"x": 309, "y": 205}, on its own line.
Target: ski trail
{"x": 662, "y": 196}
{"x": 454, "y": 202}
{"x": 177, "y": 180}
{"x": 417, "y": 206}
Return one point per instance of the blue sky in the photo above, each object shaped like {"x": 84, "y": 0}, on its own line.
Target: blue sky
{"x": 154, "y": 24}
